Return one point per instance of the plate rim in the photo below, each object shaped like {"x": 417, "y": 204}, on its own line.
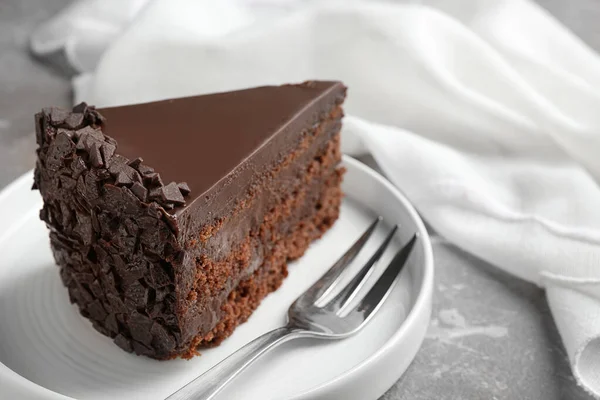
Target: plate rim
{"x": 422, "y": 302}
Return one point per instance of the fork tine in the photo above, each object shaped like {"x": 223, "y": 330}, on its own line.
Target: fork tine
{"x": 353, "y": 287}
{"x": 381, "y": 289}
{"x": 329, "y": 280}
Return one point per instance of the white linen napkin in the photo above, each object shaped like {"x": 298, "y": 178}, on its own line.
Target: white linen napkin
{"x": 486, "y": 113}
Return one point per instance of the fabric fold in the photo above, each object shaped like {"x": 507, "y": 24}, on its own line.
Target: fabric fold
{"x": 577, "y": 317}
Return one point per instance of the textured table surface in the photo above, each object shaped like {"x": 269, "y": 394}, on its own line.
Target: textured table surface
{"x": 491, "y": 335}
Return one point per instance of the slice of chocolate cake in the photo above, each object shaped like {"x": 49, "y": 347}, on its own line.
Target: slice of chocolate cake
{"x": 171, "y": 220}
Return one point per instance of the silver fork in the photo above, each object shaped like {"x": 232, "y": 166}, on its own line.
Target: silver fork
{"x": 308, "y": 317}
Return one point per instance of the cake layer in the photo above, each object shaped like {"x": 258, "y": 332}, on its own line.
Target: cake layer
{"x": 284, "y": 235}
{"x": 315, "y": 158}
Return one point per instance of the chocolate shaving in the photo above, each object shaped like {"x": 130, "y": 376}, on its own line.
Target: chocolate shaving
{"x": 67, "y": 132}
{"x": 107, "y": 150}
{"x": 141, "y": 349}
{"x": 184, "y": 188}
{"x": 78, "y": 166}
{"x": 95, "y": 117}
{"x": 57, "y": 115}
{"x": 136, "y": 295}
{"x": 58, "y": 150}
{"x": 153, "y": 179}
{"x": 140, "y": 191}
{"x": 102, "y": 174}
{"x": 159, "y": 277}
{"x": 96, "y": 310}
{"x": 67, "y": 182}
{"x": 111, "y": 323}
{"x": 74, "y": 120}
{"x": 155, "y": 194}
{"x": 161, "y": 338}
{"x": 135, "y": 163}
{"x": 172, "y": 194}
{"x": 95, "y": 156}
{"x": 144, "y": 169}
{"x": 80, "y": 108}
{"x": 123, "y": 179}
{"x": 123, "y": 173}
{"x": 117, "y": 163}
{"x": 140, "y": 326}
{"x": 86, "y": 137}
{"x": 124, "y": 343}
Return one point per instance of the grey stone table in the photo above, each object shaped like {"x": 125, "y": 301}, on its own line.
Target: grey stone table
{"x": 491, "y": 335}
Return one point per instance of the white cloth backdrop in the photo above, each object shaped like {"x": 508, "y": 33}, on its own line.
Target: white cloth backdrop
{"x": 486, "y": 113}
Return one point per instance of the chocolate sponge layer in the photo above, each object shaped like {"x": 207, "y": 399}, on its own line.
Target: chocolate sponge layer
{"x": 236, "y": 281}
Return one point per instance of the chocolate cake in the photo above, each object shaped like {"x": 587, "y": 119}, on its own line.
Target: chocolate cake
{"x": 171, "y": 221}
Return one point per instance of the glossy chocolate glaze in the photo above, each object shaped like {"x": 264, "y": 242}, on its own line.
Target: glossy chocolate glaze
{"x": 183, "y": 139}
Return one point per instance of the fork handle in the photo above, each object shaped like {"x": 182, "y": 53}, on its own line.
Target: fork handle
{"x": 207, "y": 385}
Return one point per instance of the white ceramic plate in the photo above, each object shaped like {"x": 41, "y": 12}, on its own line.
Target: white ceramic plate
{"x": 48, "y": 351}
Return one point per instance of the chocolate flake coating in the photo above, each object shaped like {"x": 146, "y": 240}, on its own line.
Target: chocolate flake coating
{"x": 86, "y": 199}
